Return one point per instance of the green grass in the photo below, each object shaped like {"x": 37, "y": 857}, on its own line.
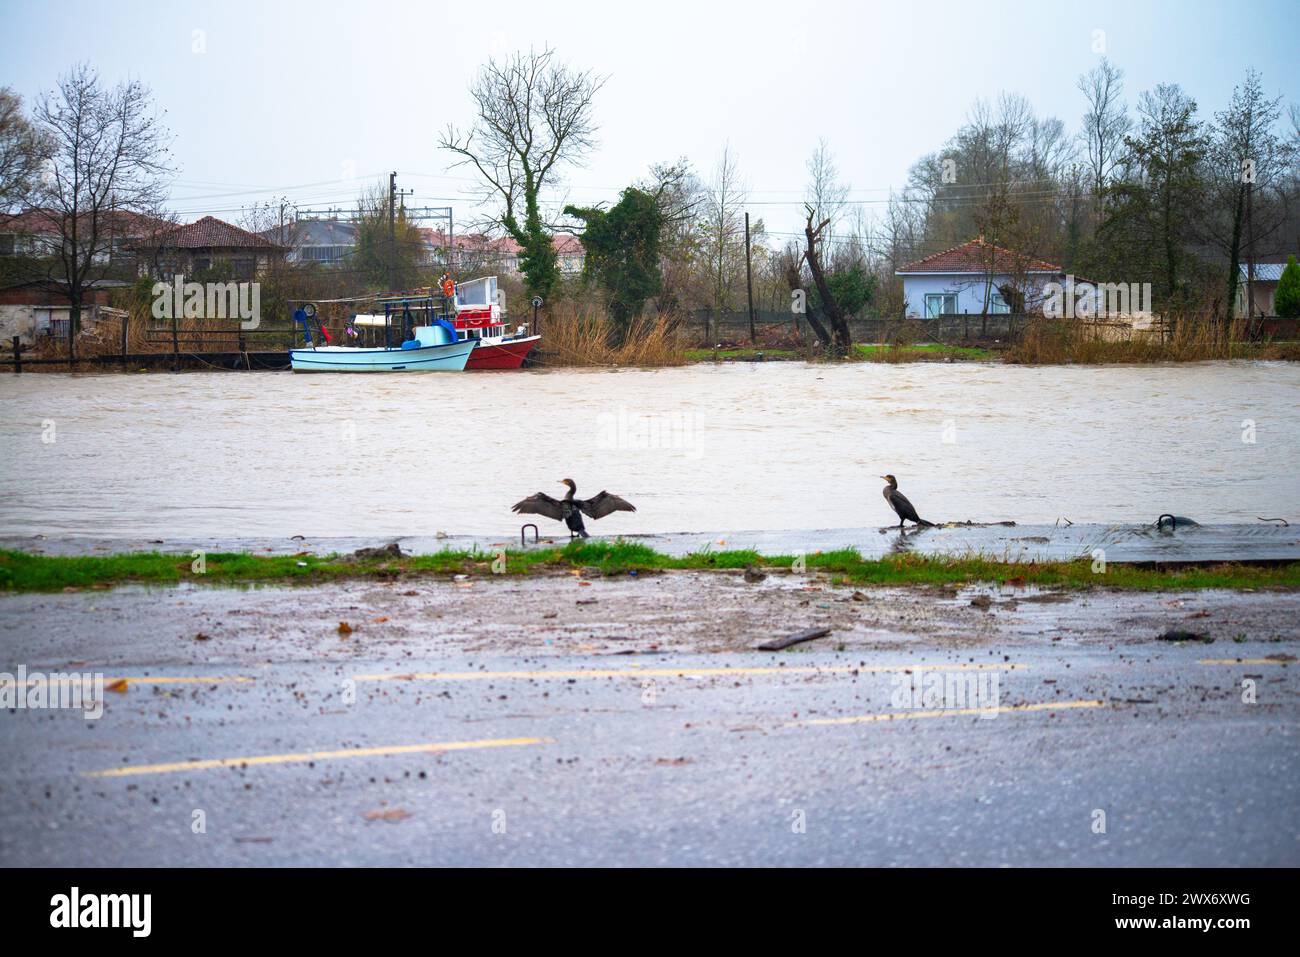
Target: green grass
{"x": 708, "y": 355}
{"x": 919, "y": 352}
{"x": 23, "y": 572}
{"x": 928, "y": 350}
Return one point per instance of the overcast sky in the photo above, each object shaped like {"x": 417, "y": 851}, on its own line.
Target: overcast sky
{"x": 311, "y": 100}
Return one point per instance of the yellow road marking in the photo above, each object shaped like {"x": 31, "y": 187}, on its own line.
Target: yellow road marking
{"x": 950, "y": 713}
{"x": 432, "y": 748}
{"x": 1243, "y": 661}
{"x": 674, "y": 672}
{"x": 69, "y": 678}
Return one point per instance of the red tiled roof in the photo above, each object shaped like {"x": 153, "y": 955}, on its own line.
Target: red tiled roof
{"x": 30, "y": 222}
{"x": 210, "y": 232}
{"x": 475, "y": 241}
{"x": 120, "y": 222}
{"x": 568, "y": 245}
{"x": 978, "y": 256}
{"x": 564, "y": 245}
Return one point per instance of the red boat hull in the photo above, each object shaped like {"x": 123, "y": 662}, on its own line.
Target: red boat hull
{"x": 505, "y": 355}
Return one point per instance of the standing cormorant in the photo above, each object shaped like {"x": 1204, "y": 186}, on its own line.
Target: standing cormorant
{"x": 569, "y": 509}
{"x": 899, "y": 503}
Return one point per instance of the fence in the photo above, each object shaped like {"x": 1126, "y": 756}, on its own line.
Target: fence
{"x": 182, "y": 343}
{"x": 708, "y": 328}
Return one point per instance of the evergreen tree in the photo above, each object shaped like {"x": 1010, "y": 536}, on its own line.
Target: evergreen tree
{"x": 1286, "y": 302}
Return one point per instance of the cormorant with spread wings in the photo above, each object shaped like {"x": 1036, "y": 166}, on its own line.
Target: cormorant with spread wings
{"x": 570, "y": 509}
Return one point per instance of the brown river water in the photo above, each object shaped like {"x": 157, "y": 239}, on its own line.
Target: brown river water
{"x": 743, "y": 446}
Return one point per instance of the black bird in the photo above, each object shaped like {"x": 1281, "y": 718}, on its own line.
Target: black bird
{"x": 569, "y": 509}
{"x": 899, "y": 503}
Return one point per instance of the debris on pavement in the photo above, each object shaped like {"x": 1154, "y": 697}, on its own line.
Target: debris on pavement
{"x": 1176, "y": 634}
{"x": 776, "y": 644}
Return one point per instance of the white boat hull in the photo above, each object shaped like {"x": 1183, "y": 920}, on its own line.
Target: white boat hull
{"x": 450, "y": 357}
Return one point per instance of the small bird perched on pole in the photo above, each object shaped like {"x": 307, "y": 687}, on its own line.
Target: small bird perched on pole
{"x": 570, "y": 509}
{"x": 899, "y": 503}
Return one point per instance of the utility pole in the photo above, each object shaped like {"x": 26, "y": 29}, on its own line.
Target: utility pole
{"x": 1250, "y": 252}
{"x": 392, "y": 229}
{"x": 749, "y": 284}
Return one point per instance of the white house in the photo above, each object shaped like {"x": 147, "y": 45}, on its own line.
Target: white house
{"x": 1267, "y": 276}
{"x": 959, "y": 280}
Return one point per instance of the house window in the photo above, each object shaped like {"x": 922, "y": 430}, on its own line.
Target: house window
{"x": 324, "y": 254}
{"x": 998, "y": 306}
{"x": 940, "y": 304}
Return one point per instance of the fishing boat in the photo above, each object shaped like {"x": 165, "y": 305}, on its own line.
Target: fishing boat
{"x": 446, "y": 328}
{"x": 409, "y": 345}
{"x": 479, "y": 317}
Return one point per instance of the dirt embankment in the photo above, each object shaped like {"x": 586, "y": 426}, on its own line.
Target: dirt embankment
{"x": 620, "y": 614}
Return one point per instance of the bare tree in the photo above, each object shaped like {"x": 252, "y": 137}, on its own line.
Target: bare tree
{"x": 679, "y": 196}
{"x": 840, "y": 339}
{"x": 895, "y": 241}
{"x": 1166, "y": 152}
{"x": 534, "y": 117}
{"x": 390, "y": 252}
{"x": 825, "y": 193}
{"x": 1105, "y": 125}
{"x": 790, "y": 263}
{"x": 108, "y": 161}
{"x": 1249, "y": 163}
{"x": 22, "y": 152}
{"x": 723, "y": 229}
{"x": 272, "y": 219}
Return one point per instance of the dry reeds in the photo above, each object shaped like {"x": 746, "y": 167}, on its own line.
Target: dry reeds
{"x": 582, "y": 336}
{"x": 1189, "y": 339}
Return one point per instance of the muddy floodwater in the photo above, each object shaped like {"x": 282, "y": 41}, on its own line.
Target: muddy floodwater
{"x": 743, "y": 446}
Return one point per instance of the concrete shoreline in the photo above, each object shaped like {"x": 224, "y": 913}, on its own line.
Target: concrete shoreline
{"x": 1120, "y": 542}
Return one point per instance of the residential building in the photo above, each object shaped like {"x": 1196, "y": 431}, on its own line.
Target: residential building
{"x": 201, "y": 245}
{"x": 477, "y": 252}
{"x": 34, "y": 310}
{"x": 1267, "y": 276}
{"x": 329, "y": 242}
{"x": 38, "y": 233}
{"x": 957, "y": 280}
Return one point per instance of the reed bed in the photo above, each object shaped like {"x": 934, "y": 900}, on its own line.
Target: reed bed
{"x": 574, "y": 336}
{"x": 1190, "y": 339}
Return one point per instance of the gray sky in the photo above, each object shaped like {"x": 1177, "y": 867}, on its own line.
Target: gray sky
{"x": 315, "y": 100}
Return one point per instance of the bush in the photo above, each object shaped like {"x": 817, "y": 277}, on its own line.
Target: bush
{"x": 1286, "y": 303}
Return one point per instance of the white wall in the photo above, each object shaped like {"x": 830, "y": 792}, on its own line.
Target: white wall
{"x": 969, "y": 290}
{"x": 31, "y": 321}
{"x": 16, "y": 321}
{"x": 1264, "y": 293}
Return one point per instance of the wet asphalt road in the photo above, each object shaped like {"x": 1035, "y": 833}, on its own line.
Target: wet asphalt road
{"x": 796, "y": 758}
